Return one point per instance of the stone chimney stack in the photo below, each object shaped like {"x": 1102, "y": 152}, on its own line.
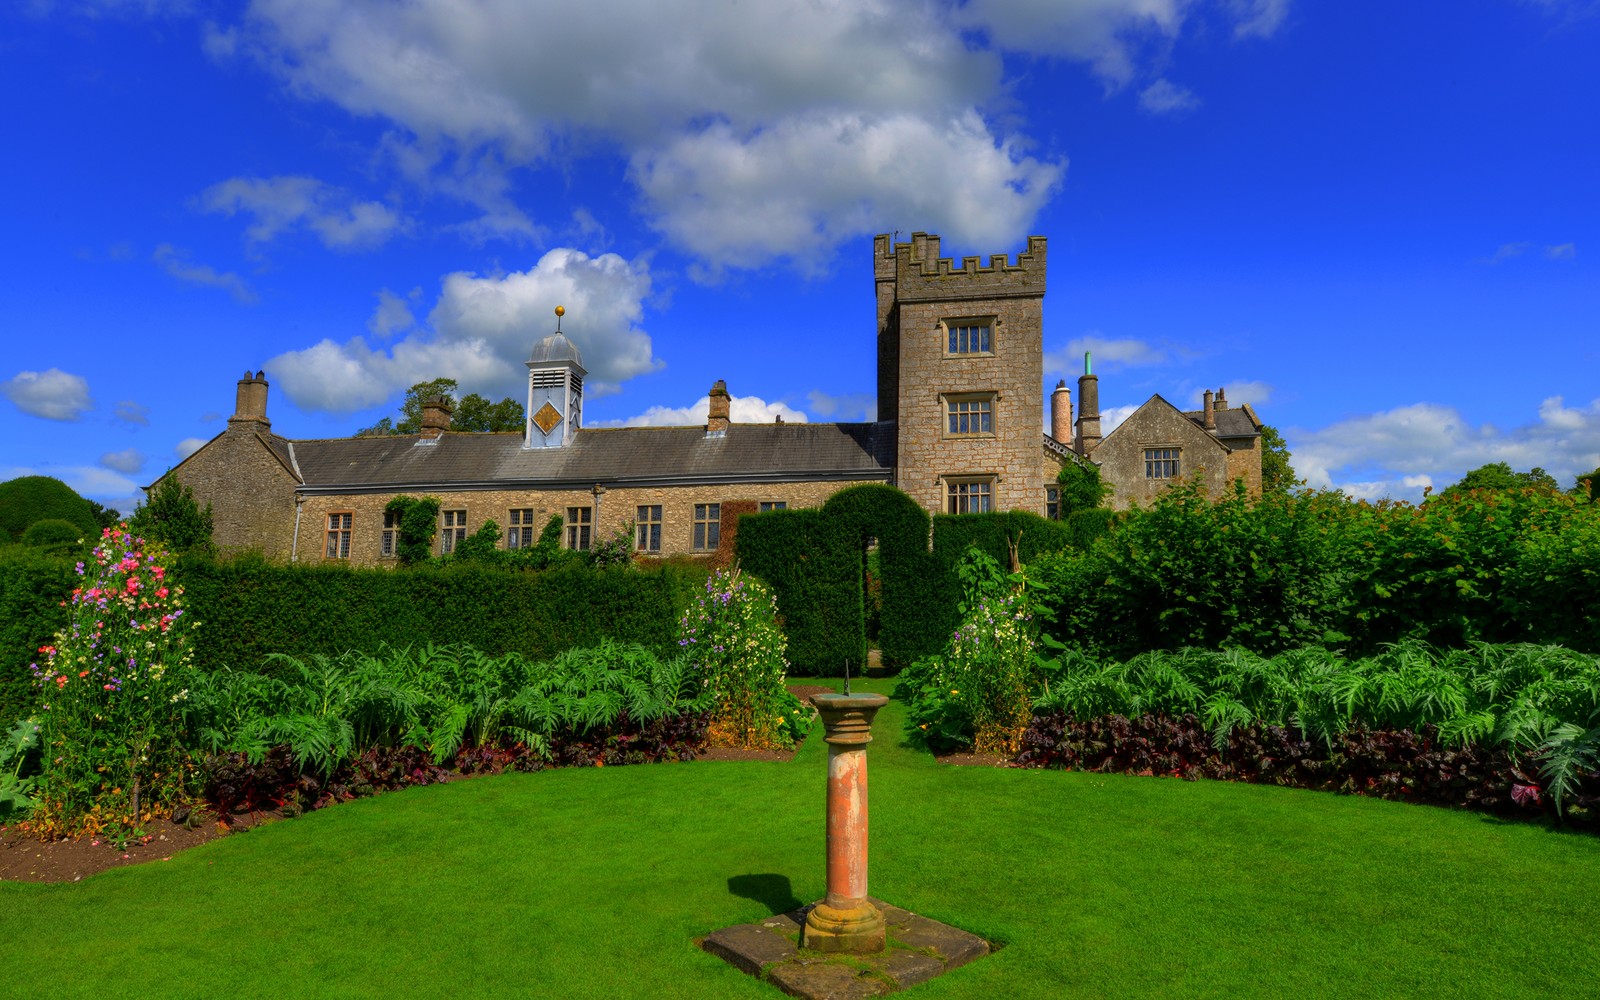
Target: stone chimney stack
{"x": 1088, "y": 410}
{"x": 1061, "y": 413}
{"x": 435, "y": 418}
{"x": 1208, "y": 411}
{"x": 717, "y": 416}
{"x": 250, "y": 404}
{"x": 1222, "y": 399}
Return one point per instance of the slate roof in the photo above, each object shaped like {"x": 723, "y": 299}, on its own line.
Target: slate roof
{"x": 634, "y": 456}
{"x": 1234, "y": 422}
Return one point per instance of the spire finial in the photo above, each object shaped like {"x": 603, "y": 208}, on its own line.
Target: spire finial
{"x": 560, "y": 312}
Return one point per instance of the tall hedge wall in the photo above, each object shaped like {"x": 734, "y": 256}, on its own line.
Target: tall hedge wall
{"x": 249, "y": 607}
{"x": 814, "y": 560}
{"x": 953, "y": 533}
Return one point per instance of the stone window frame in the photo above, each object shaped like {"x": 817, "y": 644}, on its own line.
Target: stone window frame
{"x": 520, "y": 532}
{"x": 336, "y": 535}
{"x": 1163, "y": 462}
{"x": 579, "y": 532}
{"x": 948, "y": 331}
{"x": 389, "y": 537}
{"x": 1052, "y": 502}
{"x": 707, "y": 527}
{"x": 949, "y": 402}
{"x": 962, "y": 496}
{"x": 647, "y": 528}
{"x": 762, "y": 506}
{"x": 452, "y": 529}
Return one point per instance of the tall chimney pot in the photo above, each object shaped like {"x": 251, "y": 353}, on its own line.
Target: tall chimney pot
{"x": 250, "y": 404}
{"x": 1061, "y": 413}
{"x": 1208, "y": 411}
{"x": 435, "y": 418}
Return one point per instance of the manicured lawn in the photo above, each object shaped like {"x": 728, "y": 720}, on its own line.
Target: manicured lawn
{"x": 593, "y": 883}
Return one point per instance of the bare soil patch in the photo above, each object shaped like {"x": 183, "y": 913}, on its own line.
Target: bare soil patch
{"x": 974, "y": 759}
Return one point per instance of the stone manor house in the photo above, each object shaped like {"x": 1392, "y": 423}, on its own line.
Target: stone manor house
{"x": 960, "y": 376}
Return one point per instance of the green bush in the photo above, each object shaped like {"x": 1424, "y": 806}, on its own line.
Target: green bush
{"x": 33, "y": 588}
{"x": 56, "y": 536}
{"x": 29, "y": 499}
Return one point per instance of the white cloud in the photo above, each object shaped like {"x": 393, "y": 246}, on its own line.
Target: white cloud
{"x": 802, "y": 187}
{"x": 188, "y": 446}
{"x": 1564, "y": 251}
{"x": 1164, "y": 96}
{"x": 1103, "y": 351}
{"x": 1507, "y": 251}
{"x": 128, "y": 461}
{"x": 741, "y": 410}
{"x": 393, "y": 314}
{"x": 175, "y": 263}
{"x": 768, "y": 131}
{"x": 846, "y": 408}
{"x": 130, "y": 412}
{"x": 1393, "y": 452}
{"x": 481, "y": 331}
{"x": 1111, "y": 416}
{"x": 1258, "y": 18}
{"x": 52, "y": 394}
{"x": 1250, "y": 391}
{"x": 280, "y": 204}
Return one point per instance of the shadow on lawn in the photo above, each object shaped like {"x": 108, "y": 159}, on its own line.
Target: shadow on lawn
{"x": 770, "y": 890}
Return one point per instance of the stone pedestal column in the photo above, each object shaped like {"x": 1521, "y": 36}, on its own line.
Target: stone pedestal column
{"x": 845, "y": 921}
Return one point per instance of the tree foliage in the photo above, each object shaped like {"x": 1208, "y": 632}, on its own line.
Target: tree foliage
{"x": 28, "y": 499}
{"x": 172, "y": 516}
{"x": 1499, "y": 476}
{"x": 471, "y": 412}
{"x": 1277, "y": 475}
{"x": 419, "y": 520}
{"x": 1081, "y": 488}
{"x": 1587, "y": 484}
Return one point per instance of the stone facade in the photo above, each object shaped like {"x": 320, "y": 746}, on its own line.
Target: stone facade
{"x": 924, "y": 303}
{"x": 611, "y": 511}
{"x": 960, "y": 377}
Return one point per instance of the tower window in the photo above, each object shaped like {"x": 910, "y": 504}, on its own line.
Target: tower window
{"x": 970, "y": 337}
{"x": 969, "y": 415}
{"x": 970, "y": 496}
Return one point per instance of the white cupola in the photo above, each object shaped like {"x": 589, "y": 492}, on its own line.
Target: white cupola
{"x": 555, "y": 391}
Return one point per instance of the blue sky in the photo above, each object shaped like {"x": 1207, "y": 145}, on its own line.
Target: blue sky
{"x": 1377, "y": 222}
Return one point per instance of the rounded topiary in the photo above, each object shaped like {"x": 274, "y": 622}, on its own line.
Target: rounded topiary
{"x": 55, "y": 535}
{"x": 29, "y": 499}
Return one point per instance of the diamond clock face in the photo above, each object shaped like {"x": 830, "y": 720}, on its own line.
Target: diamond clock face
{"x": 546, "y": 418}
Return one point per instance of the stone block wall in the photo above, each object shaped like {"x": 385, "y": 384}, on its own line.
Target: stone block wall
{"x": 1158, "y": 425}
{"x": 920, "y": 294}
{"x": 617, "y": 506}
{"x": 250, "y": 492}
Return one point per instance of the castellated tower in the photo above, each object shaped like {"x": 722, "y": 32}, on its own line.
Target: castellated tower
{"x": 960, "y": 370}
{"x": 555, "y": 391}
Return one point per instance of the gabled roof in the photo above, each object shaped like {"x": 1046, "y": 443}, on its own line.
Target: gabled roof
{"x": 635, "y": 456}
{"x": 1158, "y": 400}
{"x": 1234, "y": 422}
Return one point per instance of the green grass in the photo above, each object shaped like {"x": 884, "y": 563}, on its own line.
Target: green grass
{"x": 593, "y": 883}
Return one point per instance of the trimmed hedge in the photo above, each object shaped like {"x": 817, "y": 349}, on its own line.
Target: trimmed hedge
{"x": 33, "y": 585}
{"x": 30, "y": 499}
{"x": 249, "y": 607}
{"x": 815, "y": 561}
{"x": 953, "y": 533}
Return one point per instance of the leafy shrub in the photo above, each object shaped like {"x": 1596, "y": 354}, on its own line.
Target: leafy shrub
{"x": 731, "y": 637}
{"x": 27, "y": 500}
{"x": 33, "y": 590}
{"x": 1402, "y": 765}
{"x": 170, "y": 515}
{"x": 55, "y": 536}
{"x": 419, "y": 522}
{"x": 19, "y": 765}
{"x": 113, "y": 681}
{"x": 979, "y": 691}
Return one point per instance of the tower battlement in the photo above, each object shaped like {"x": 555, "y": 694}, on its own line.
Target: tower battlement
{"x": 919, "y": 274}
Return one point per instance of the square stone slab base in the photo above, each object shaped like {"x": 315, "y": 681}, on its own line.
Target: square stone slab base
{"x": 919, "y": 950}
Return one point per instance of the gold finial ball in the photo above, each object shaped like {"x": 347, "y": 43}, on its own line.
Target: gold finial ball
{"x": 561, "y": 310}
